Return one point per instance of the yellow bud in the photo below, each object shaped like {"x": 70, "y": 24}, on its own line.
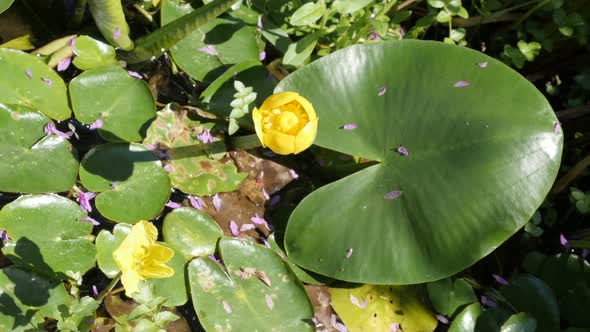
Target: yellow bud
{"x": 286, "y": 123}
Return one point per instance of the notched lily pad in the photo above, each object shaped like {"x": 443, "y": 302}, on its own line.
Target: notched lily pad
{"x": 31, "y": 161}
{"x": 124, "y": 104}
{"x": 130, "y": 180}
{"x": 33, "y": 84}
{"x": 256, "y": 292}
{"x": 465, "y": 156}
{"x": 377, "y": 308}
{"x": 91, "y": 53}
{"x": 47, "y": 235}
{"x": 190, "y": 165}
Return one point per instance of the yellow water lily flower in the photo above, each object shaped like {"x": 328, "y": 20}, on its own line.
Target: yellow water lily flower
{"x": 286, "y": 123}
{"x": 139, "y": 257}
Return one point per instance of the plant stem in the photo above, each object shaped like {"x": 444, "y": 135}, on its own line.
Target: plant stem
{"x": 405, "y": 4}
{"x": 109, "y": 288}
{"x": 530, "y": 12}
{"x": 244, "y": 142}
{"x": 143, "y": 12}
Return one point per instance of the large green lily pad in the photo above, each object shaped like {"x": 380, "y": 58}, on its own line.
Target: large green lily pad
{"x": 31, "y": 161}
{"x": 131, "y": 182}
{"x": 377, "y": 308}
{"x": 32, "y": 83}
{"x": 125, "y": 104}
{"x": 236, "y": 299}
{"x": 482, "y": 154}
{"x": 191, "y": 167}
{"x": 26, "y": 298}
{"x": 191, "y": 233}
{"x": 47, "y": 235}
{"x": 223, "y": 41}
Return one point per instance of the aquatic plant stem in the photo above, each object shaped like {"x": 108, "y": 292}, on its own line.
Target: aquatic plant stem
{"x": 109, "y": 288}
{"x": 244, "y": 142}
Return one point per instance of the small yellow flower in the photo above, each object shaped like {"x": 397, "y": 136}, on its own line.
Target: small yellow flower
{"x": 139, "y": 257}
{"x": 286, "y": 123}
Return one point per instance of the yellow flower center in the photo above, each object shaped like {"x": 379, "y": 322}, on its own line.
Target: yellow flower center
{"x": 288, "y": 119}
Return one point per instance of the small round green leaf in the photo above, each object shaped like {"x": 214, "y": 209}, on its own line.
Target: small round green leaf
{"x": 173, "y": 289}
{"x": 448, "y": 295}
{"x": 191, "y": 167}
{"x": 376, "y": 308}
{"x": 530, "y": 294}
{"x": 482, "y": 154}
{"x": 131, "y": 183}
{"x": 27, "y": 298}
{"x": 125, "y": 104}
{"x": 47, "y": 235}
{"x": 466, "y": 319}
{"x": 31, "y": 161}
{"x": 256, "y": 292}
{"x": 44, "y": 90}
{"x": 91, "y": 53}
{"x": 106, "y": 244}
{"x": 521, "y": 322}
{"x": 191, "y": 233}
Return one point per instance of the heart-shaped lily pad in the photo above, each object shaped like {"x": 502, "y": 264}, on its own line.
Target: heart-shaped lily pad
{"x": 32, "y": 83}
{"x": 256, "y": 292}
{"x": 190, "y": 168}
{"x": 448, "y": 295}
{"x": 191, "y": 232}
{"x": 222, "y": 41}
{"x": 27, "y": 298}
{"x": 465, "y": 321}
{"x": 31, "y": 161}
{"x": 377, "y": 308}
{"x": 131, "y": 182}
{"x": 125, "y": 104}
{"x": 91, "y": 53}
{"x": 47, "y": 235}
{"x": 466, "y": 149}
{"x": 172, "y": 288}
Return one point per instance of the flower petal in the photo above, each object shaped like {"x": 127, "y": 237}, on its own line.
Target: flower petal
{"x": 392, "y": 195}
{"x": 233, "y": 228}
{"x": 269, "y": 303}
{"x": 306, "y": 136}
{"x": 130, "y": 280}
{"x": 278, "y": 99}
{"x": 278, "y": 142}
{"x": 216, "y": 202}
{"x": 500, "y": 280}
{"x": 349, "y": 126}
{"x": 64, "y": 64}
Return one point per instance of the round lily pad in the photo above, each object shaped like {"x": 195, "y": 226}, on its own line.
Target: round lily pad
{"x": 91, "y": 53}
{"x": 521, "y": 322}
{"x": 466, "y": 150}
{"x": 191, "y": 233}
{"x": 31, "y": 161}
{"x": 47, "y": 235}
{"x": 466, "y": 319}
{"x": 192, "y": 166}
{"x": 448, "y": 295}
{"x": 174, "y": 288}
{"x": 32, "y": 83}
{"x": 124, "y": 104}
{"x": 256, "y": 292}
{"x": 106, "y": 244}
{"x": 27, "y": 298}
{"x": 131, "y": 182}
{"x": 222, "y": 41}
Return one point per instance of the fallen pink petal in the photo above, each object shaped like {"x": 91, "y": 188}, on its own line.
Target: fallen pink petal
{"x": 500, "y": 280}
{"x": 84, "y": 201}
{"x": 96, "y": 124}
{"x": 403, "y": 151}
{"x": 488, "y": 302}
{"x": 259, "y": 23}
{"x": 442, "y": 319}
{"x": 46, "y": 81}
{"x": 50, "y": 129}
{"x": 64, "y": 64}
{"x": 134, "y": 74}
{"x": 226, "y": 307}
{"x": 233, "y": 228}
{"x": 91, "y": 220}
{"x": 356, "y": 302}
{"x": 209, "y": 49}
{"x": 557, "y": 127}
{"x": 262, "y": 56}
{"x": 564, "y": 242}
{"x": 116, "y": 34}
{"x": 294, "y": 174}
{"x": 382, "y": 91}
{"x": 265, "y": 194}
{"x": 29, "y": 73}
{"x": 482, "y": 64}
{"x": 4, "y": 236}
{"x": 349, "y": 126}
{"x": 392, "y": 195}
{"x": 247, "y": 227}
{"x": 196, "y": 202}
{"x": 205, "y": 137}
{"x": 216, "y": 202}
{"x": 260, "y": 221}
{"x": 394, "y": 327}
{"x": 94, "y": 291}
{"x": 269, "y": 302}
{"x": 173, "y": 205}
{"x": 461, "y": 84}
{"x": 349, "y": 252}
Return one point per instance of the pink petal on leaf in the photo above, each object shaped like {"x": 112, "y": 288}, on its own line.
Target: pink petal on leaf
{"x": 226, "y": 307}
{"x": 64, "y": 64}
{"x": 482, "y": 64}
{"x": 269, "y": 303}
{"x": 96, "y": 124}
{"x": 394, "y": 327}
{"x": 382, "y": 91}
{"x": 557, "y": 127}
{"x": 205, "y": 137}
{"x": 209, "y": 49}
{"x": 28, "y": 73}
{"x": 116, "y": 34}
{"x": 349, "y": 252}
{"x": 403, "y": 151}
{"x": 46, "y": 81}
{"x": 349, "y": 126}
{"x": 134, "y": 74}
{"x": 392, "y": 195}
{"x": 461, "y": 84}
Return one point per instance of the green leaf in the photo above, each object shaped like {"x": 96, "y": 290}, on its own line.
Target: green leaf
{"x": 491, "y": 320}
{"x": 476, "y": 170}
{"x": 521, "y": 322}
{"x": 436, "y": 3}
{"x": 110, "y": 20}
{"x": 447, "y": 296}
{"x": 304, "y": 276}
{"x": 190, "y": 167}
{"x": 233, "y": 126}
{"x": 124, "y": 104}
{"x": 443, "y": 16}
{"x": 106, "y": 244}
{"x": 26, "y": 298}
{"x": 185, "y": 30}
{"x": 137, "y": 189}
{"x": 191, "y": 233}
{"x": 4, "y": 5}
{"x": 31, "y": 161}
{"x": 308, "y": 14}
{"x": 91, "y": 53}
{"x": 385, "y": 305}
{"x": 49, "y": 99}
{"x": 22, "y": 43}
{"x": 174, "y": 288}
{"x": 529, "y": 50}
{"x": 48, "y": 235}
{"x": 466, "y": 319}
{"x": 350, "y": 6}
{"x": 236, "y": 299}
{"x": 298, "y": 52}
{"x": 530, "y": 294}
